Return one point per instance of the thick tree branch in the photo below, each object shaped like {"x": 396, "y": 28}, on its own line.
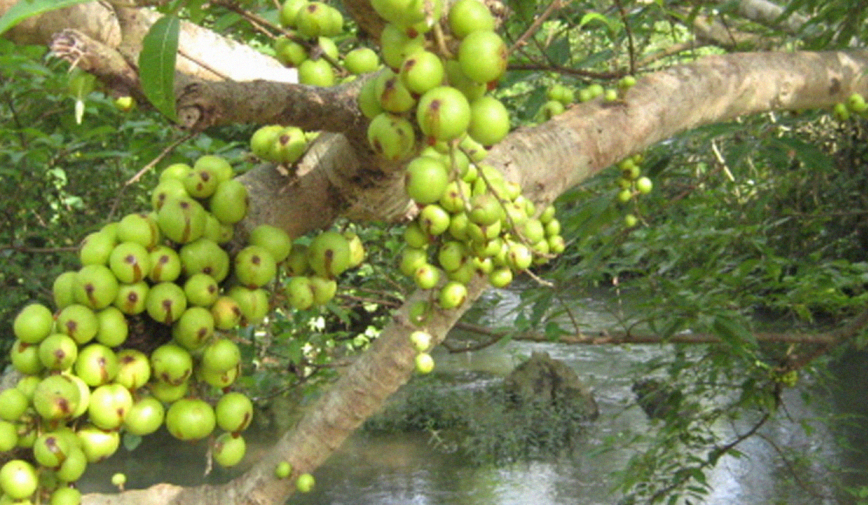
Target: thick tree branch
{"x": 334, "y": 179}
{"x": 359, "y": 392}
{"x": 204, "y": 104}
{"x": 594, "y": 135}
{"x": 104, "y": 61}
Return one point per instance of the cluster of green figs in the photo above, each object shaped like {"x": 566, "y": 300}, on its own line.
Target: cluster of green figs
{"x": 141, "y": 335}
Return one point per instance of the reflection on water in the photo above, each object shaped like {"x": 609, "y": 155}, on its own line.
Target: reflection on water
{"x": 430, "y": 478}
{"x": 407, "y": 469}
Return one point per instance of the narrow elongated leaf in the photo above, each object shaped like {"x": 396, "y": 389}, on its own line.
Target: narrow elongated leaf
{"x": 732, "y": 331}
{"x": 559, "y": 51}
{"x": 24, "y": 9}
{"x": 157, "y": 64}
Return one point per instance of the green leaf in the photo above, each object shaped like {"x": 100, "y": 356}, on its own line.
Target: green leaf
{"x": 613, "y": 25}
{"x": 593, "y": 16}
{"x": 157, "y": 64}
{"x": 295, "y": 353}
{"x": 131, "y": 441}
{"x": 525, "y": 9}
{"x": 559, "y": 51}
{"x": 553, "y": 331}
{"x": 732, "y": 331}
{"x": 24, "y": 9}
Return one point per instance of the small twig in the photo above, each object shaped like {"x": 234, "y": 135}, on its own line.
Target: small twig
{"x": 159, "y": 158}
{"x": 555, "y": 5}
{"x": 260, "y": 23}
{"x": 19, "y": 129}
{"x": 204, "y": 65}
{"x": 630, "y": 45}
{"x": 144, "y": 169}
{"x": 209, "y": 459}
{"x": 338, "y": 363}
{"x": 799, "y": 481}
{"x": 274, "y": 394}
{"x": 455, "y": 349}
{"x": 744, "y": 436}
{"x": 440, "y": 41}
{"x": 720, "y": 159}
{"x": 379, "y": 292}
{"x": 712, "y": 459}
{"x": 503, "y": 202}
{"x": 570, "y": 314}
{"x": 539, "y": 280}
{"x": 671, "y": 51}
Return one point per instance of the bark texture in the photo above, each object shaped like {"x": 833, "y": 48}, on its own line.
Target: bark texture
{"x": 205, "y": 104}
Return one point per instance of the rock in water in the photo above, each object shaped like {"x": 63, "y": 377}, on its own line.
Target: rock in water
{"x": 544, "y": 381}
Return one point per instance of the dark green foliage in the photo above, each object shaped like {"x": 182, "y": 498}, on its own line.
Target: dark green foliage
{"x": 753, "y": 237}
{"x": 61, "y": 180}
{"x": 483, "y": 424}
{"x": 750, "y": 226}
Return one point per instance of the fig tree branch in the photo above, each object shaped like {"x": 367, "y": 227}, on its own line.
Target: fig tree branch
{"x": 841, "y": 336}
{"x": 594, "y": 135}
{"x": 204, "y": 104}
{"x": 99, "y": 59}
{"x": 609, "y": 337}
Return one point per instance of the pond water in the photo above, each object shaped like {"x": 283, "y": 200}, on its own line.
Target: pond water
{"x": 410, "y": 469}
